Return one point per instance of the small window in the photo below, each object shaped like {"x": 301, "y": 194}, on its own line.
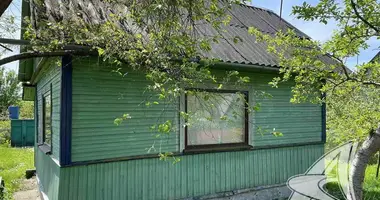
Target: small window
{"x": 217, "y": 118}
{"x": 47, "y": 119}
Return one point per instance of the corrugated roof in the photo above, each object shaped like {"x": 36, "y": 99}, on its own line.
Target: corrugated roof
{"x": 249, "y": 51}
{"x": 376, "y": 57}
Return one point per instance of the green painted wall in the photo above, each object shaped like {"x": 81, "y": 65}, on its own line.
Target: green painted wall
{"x": 194, "y": 175}
{"x": 299, "y": 123}
{"x": 100, "y": 96}
{"x": 48, "y": 173}
{"x": 47, "y": 167}
{"x": 51, "y": 75}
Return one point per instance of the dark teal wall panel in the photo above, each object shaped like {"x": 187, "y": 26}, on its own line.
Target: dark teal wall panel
{"x": 50, "y": 78}
{"x": 100, "y": 95}
{"x": 194, "y": 175}
{"x": 22, "y": 133}
{"x": 48, "y": 173}
{"x": 47, "y": 166}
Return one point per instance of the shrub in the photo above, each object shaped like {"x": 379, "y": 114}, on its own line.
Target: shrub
{"x": 5, "y": 131}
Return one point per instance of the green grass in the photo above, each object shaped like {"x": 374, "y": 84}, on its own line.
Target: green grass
{"x": 371, "y": 186}
{"x": 13, "y": 163}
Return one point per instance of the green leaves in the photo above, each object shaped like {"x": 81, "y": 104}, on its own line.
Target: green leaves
{"x": 100, "y": 51}
{"x": 169, "y": 156}
{"x": 205, "y": 45}
{"x": 252, "y": 30}
{"x": 244, "y": 79}
{"x": 119, "y": 120}
{"x": 224, "y": 118}
{"x": 165, "y": 127}
{"x": 276, "y": 133}
{"x": 315, "y": 67}
{"x": 237, "y": 39}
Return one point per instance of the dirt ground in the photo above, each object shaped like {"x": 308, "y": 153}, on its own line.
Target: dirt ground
{"x": 28, "y": 190}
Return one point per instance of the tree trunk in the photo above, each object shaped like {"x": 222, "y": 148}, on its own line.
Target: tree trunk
{"x": 357, "y": 171}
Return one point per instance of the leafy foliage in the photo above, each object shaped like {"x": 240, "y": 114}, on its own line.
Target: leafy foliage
{"x": 5, "y": 132}
{"x": 26, "y": 109}
{"x": 9, "y": 89}
{"x": 317, "y": 68}
{"x": 7, "y": 28}
{"x": 352, "y": 95}
{"x": 7, "y": 24}
{"x": 352, "y": 115}
{"x": 155, "y": 37}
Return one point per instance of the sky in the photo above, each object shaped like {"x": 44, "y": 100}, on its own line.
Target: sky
{"x": 15, "y": 10}
{"x": 315, "y": 30}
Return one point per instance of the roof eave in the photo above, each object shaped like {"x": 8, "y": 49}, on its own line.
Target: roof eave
{"x": 4, "y": 4}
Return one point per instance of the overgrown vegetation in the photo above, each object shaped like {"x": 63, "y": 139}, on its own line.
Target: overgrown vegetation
{"x": 353, "y": 96}
{"x": 351, "y": 116}
{"x": 371, "y": 186}
{"x": 13, "y": 164}
{"x": 5, "y": 132}
{"x": 26, "y": 109}
{"x": 9, "y": 90}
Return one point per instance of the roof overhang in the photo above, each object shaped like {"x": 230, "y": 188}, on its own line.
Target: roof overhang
{"x": 4, "y": 4}
{"x": 376, "y": 57}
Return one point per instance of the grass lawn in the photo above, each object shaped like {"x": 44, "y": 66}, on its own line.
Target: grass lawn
{"x": 13, "y": 163}
{"x": 371, "y": 186}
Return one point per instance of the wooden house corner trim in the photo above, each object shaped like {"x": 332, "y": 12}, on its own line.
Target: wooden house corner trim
{"x": 66, "y": 111}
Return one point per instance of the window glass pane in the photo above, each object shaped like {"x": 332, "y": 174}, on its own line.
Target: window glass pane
{"x": 47, "y": 119}
{"x": 40, "y": 125}
{"x": 216, "y": 118}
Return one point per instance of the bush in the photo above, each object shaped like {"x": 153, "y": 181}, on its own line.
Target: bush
{"x": 26, "y": 109}
{"x": 5, "y": 132}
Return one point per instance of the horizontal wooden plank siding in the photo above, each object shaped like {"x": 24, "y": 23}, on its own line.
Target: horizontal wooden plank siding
{"x": 99, "y": 97}
{"x": 194, "y": 175}
{"x": 299, "y": 123}
{"x": 50, "y": 78}
{"x": 101, "y": 94}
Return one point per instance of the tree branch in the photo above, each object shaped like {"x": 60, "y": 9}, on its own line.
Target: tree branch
{"x": 365, "y": 82}
{"x": 344, "y": 68}
{"x": 6, "y": 48}
{"x": 27, "y": 55}
{"x": 361, "y": 17}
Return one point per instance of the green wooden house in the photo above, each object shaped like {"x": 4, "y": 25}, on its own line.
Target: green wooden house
{"x": 81, "y": 154}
